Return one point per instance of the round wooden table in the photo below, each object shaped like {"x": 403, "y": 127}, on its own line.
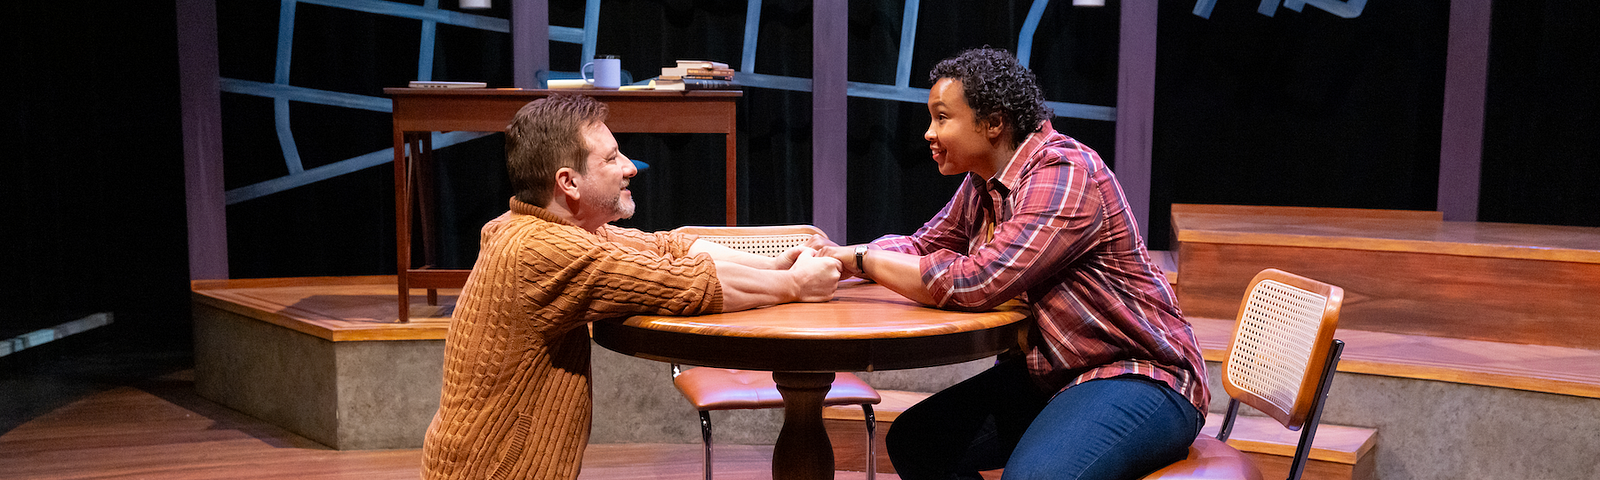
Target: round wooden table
{"x": 865, "y": 327}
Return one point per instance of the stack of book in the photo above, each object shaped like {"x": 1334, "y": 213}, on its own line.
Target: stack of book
{"x": 696, "y": 75}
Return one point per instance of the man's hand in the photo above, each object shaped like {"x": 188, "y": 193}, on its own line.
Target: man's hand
{"x": 786, "y": 259}
{"x": 815, "y": 277}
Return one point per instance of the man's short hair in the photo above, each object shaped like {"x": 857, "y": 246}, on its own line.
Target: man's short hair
{"x": 993, "y": 82}
{"x": 546, "y": 135}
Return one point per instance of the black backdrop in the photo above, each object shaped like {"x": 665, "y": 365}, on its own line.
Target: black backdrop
{"x": 1303, "y": 109}
{"x": 893, "y": 185}
{"x": 1295, "y": 109}
{"x": 91, "y": 199}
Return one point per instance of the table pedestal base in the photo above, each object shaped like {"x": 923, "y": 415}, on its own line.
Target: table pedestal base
{"x": 803, "y": 450}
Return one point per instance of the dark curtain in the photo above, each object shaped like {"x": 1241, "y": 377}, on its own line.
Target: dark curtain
{"x": 91, "y": 202}
{"x": 1540, "y": 160}
{"x": 1297, "y": 109}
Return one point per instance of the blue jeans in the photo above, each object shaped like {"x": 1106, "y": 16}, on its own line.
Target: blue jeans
{"x": 1115, "y": 428}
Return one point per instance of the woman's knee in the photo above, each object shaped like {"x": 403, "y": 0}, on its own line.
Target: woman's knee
{"x": 908, "y": 432}
{"x": 1113, "y": 428}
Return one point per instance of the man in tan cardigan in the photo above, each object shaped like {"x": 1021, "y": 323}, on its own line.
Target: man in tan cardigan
{"x": 516, "y": 400}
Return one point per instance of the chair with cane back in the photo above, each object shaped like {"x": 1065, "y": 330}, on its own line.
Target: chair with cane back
{"x": 710, "y": 389}
{"x": 1281, "y": 362}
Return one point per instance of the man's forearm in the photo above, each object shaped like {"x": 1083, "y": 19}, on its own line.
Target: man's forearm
{"x": 745, "y": 287}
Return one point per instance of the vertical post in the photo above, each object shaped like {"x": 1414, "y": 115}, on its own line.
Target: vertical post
{"x": 1465, "y": 80}
{"x": 530, "y": 43}
{"x": 829, "y": 85}
{"x": 1136, "y": 92}
{"x": 200, "y": 98}
{"x": 908, "y": 40}
{"x": 752, "y": 33}
{"x": 402, "y": 222}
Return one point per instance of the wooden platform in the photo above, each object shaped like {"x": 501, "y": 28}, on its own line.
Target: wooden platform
{"x": 1415, "y": 389}
{"x": 1534, "y": 368}
{"x": 1403, "y": 272}
{"x": 322, "y": 357}
{"x": 1471, "y": 347}
{"x": 361, "y": 308}
{"x": 337, "y": 309}
{"x": 1338, "y": 452}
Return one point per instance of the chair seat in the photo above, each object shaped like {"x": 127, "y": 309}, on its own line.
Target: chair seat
{"x": 1209, "y": 459}
{"x": 724, "y": 389}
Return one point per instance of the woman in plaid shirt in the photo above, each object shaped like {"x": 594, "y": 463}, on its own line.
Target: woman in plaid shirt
{"x": 1111, "y": 384}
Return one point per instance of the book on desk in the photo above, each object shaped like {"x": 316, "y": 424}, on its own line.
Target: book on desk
{"x": 693, "y": 84}
{"x": 695, "y": 75}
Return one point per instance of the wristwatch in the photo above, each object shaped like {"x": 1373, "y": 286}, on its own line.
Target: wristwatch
{"x": 861, "y": 256}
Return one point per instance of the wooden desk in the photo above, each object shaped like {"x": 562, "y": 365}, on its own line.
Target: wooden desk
{"x": 420, "y": 111}
{"x": 866, "y": 327}
{"x": 1403, "y": 272}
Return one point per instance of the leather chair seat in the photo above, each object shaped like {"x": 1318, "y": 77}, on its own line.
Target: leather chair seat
{"x": 723, "y": 389}
{"x": 1209, "y": 459}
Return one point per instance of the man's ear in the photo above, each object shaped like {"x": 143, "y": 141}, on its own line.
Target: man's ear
{"x": 567, "y": 182}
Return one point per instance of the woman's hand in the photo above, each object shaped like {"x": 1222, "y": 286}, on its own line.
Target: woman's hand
{"x": 818, "y": 242}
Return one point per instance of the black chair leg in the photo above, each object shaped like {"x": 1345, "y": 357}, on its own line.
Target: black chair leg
{"x": 705, "y": 438}
{"x": 872, "y": 449}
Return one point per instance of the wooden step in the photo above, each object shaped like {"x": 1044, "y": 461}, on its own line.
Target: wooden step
{"x": 1454, "y": 360}
{"x": 1403, "y": 272}
{"x": 1338, "y": 453}
{"x": 847, "y": 429}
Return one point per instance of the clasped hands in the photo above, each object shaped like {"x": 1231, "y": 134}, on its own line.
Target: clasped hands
{"x": 816, "y": 267}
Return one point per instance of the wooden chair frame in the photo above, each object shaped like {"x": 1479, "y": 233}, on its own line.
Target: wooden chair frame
{"x": 1296, "y": 405}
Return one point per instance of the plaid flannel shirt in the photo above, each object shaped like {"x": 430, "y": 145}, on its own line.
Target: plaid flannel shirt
{"x": 1053, "y": 229}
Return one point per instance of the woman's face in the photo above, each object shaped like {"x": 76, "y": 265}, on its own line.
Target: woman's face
{"x": 958, "y": 141}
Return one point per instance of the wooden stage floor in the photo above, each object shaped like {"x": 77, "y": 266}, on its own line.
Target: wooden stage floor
{"x": 159, "y": 428}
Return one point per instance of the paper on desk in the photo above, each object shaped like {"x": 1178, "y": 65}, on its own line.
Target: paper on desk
{"x": 576, "y": 83}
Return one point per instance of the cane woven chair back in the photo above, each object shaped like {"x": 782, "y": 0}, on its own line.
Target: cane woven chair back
{"x": 1280, "y": 344}
{"x": 768, "y": 241}
{"x": 1281, "y": 362}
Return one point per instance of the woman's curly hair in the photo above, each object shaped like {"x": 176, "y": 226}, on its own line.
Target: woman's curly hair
{"x": 993, "y": 82}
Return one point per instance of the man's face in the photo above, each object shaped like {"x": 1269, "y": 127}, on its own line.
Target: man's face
{"x": 604, "y": 187}
{"x": 957, "y": 141}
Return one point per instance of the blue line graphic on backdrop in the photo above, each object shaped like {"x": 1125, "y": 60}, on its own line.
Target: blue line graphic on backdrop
{"x": 1342, "y": 8}
{"x": 281, "y": 92}
{"x": 431, "y": 16}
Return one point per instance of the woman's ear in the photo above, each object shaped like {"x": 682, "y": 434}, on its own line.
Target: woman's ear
{"x": 994, "y": 125}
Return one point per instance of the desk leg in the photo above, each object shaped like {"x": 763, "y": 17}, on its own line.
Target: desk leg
{"x": 427, "y": 211}
{"x": 803, "y": 450}
{"x": 402, "y": 224}
{"x": 732, "y": 172}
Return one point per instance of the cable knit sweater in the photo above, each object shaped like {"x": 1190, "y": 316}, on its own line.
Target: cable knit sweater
{"x": 517, "y": 399}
